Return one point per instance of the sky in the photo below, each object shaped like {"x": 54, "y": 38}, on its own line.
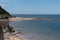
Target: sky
{"x": 31, "y": 6}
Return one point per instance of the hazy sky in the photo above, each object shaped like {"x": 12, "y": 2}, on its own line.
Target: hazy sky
{"x": 31, "y": 6}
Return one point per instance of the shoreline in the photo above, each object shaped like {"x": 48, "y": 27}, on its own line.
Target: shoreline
{"x": 8, "y": 36}
{"x": 21, "y": 18}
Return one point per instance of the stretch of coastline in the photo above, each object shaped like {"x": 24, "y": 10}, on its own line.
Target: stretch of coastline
{"x": 21, "y": 18}
{"x": 8, "y": 36}
{"x": 39, "y": 27}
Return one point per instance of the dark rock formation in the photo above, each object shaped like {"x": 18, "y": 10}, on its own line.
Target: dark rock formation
{"x": 1, "y": 33}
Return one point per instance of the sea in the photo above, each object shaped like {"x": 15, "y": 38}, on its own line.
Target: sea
{"x": 38, "y": 29}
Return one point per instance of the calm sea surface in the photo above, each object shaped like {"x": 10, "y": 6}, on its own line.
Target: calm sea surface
{"x": 39, "y": 29}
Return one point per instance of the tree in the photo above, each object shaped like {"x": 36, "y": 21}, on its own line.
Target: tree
{"x": 3, "y": 12}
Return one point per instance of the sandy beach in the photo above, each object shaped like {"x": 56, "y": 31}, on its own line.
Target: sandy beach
{"x": 21, "y": 18}
{"x": 8, "y": 36}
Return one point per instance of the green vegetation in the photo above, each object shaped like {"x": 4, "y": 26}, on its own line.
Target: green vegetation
{"x": 4, "y": 12}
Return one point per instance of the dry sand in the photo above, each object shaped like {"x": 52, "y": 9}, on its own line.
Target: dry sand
{"x": 8, "y": 36}
{"x": 20, "y": 18}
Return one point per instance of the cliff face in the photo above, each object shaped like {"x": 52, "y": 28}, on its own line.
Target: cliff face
{"x": 3, "y": 12}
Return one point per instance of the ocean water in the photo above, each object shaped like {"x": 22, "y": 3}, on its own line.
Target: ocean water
{"x": 38, "y": 29}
